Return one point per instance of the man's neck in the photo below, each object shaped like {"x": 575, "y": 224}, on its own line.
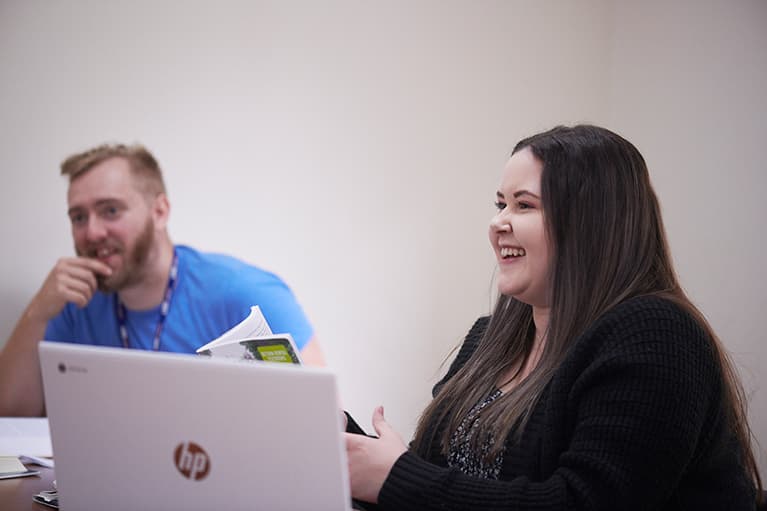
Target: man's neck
{"x": 149, "y": 292}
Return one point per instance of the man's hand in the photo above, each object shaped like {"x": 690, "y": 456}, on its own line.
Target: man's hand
{"x": 371, "y": 459}
{"x": 72, "y": 279}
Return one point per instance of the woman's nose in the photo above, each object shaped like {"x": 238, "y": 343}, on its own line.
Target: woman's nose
{"x": 500, "y": 223}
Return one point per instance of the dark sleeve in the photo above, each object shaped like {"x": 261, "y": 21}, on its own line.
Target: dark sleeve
{"x": 638, "y": 399}
{"x": 467, "y": 349}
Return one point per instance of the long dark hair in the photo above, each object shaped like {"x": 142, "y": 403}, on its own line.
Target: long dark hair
{"x": 605, "y": 230}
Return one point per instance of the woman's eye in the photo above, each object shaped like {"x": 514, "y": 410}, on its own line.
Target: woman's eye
{"x": 524, "y": 205}
{"x": 500, "y": 206}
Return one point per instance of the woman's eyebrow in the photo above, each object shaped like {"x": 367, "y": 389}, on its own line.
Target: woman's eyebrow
{"x": 524, "y": 192}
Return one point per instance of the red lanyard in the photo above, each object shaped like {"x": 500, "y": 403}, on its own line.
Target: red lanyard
{"x": 121, "y": 312}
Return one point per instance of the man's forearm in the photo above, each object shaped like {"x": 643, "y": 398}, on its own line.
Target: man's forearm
{"x": 21, "y": 390}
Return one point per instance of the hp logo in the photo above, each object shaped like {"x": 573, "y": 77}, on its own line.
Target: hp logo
{"x": 192, "y": 461}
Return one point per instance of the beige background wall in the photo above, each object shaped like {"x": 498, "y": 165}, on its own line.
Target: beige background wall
{"x": 354, "y": 148}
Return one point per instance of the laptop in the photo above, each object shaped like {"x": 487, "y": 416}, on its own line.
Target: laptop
{"x": 145, "y": 430}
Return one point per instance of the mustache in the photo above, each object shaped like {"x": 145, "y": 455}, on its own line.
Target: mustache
{"x": 92, "y": 250}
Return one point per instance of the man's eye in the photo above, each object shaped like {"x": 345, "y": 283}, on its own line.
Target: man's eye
{"x": 110, "y": 211}
{"x": 77, "y": 219}
{"x": 500, "y": 206}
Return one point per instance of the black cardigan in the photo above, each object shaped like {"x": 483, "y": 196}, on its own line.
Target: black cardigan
{"x": 632, "y": 419}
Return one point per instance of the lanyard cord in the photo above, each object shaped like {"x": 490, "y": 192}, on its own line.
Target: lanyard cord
{"x": 122, "y": 313}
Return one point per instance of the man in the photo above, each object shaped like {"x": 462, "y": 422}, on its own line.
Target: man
{"x": 129, "y": 285}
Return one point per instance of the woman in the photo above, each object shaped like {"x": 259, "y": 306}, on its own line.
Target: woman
{"x": 595, "y": 384}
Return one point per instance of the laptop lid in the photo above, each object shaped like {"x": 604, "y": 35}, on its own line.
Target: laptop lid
{"x": 144, "y": 430}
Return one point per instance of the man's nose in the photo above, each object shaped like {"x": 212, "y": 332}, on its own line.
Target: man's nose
{"x": 95, "y": 230}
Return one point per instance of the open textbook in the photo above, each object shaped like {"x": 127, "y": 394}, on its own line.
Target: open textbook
{"x": 252, "y": 339}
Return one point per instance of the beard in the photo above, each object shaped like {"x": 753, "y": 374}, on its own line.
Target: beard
{"x": 134, "y": 260}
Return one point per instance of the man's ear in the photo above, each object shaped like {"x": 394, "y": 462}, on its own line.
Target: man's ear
{"x": 161, "y": 211}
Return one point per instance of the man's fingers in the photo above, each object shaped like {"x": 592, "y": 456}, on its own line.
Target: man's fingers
{"x": 87, "y": 264}
{"x": 72, "y": 279}
{"x": 86, "y": 275}
{"x": 83, "y": 269}
{"x": 78, "y": 290}
{"x": 95, "y": 266}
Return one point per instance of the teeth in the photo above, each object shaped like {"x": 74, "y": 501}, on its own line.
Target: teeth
{"x": 104, "y": 252}
{"x": 512, "y": 252}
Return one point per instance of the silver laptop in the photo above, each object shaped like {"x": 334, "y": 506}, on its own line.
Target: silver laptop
{"x": 142, "y": 430}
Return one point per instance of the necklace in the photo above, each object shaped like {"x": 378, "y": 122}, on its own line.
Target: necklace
{"x": 122, "y": 313}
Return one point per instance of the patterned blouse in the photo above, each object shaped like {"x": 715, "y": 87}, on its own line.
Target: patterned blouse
{"x": 461, "y": 454}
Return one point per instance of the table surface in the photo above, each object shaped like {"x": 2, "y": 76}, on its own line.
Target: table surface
{"x": 16, "y": 494}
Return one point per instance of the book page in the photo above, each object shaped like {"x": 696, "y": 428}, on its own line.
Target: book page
{"x": 254, "y": 325}
{"x": 252, "y": 339}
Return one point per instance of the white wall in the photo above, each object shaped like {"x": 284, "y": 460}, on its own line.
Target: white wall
{"x": 354, "y": 148}
{"x": 688, "y": 86}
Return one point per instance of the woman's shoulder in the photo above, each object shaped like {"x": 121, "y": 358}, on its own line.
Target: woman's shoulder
{"x": 648, "y": 305}
{"x": 473, "y": 338}
{"x": 654, "y": 325}
{"x": 477, "y": 330}
{"x": 649, "y": 349}
{"x": 650, "y": 313}
{"x": 467, "y": 348}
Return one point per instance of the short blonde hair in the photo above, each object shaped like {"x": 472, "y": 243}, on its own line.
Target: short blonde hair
{"x": 143, "y": 164}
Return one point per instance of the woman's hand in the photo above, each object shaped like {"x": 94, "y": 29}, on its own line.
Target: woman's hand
{"x": 371, "y": 459}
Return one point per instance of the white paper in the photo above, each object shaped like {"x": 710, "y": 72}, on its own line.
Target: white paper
{"x": 254, "y": 325}
{"x": 9, "y": 464}
{"x": 25, "y": 436}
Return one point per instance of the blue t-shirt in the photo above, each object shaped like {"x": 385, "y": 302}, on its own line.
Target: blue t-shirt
{"x": 213, "y": 293}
